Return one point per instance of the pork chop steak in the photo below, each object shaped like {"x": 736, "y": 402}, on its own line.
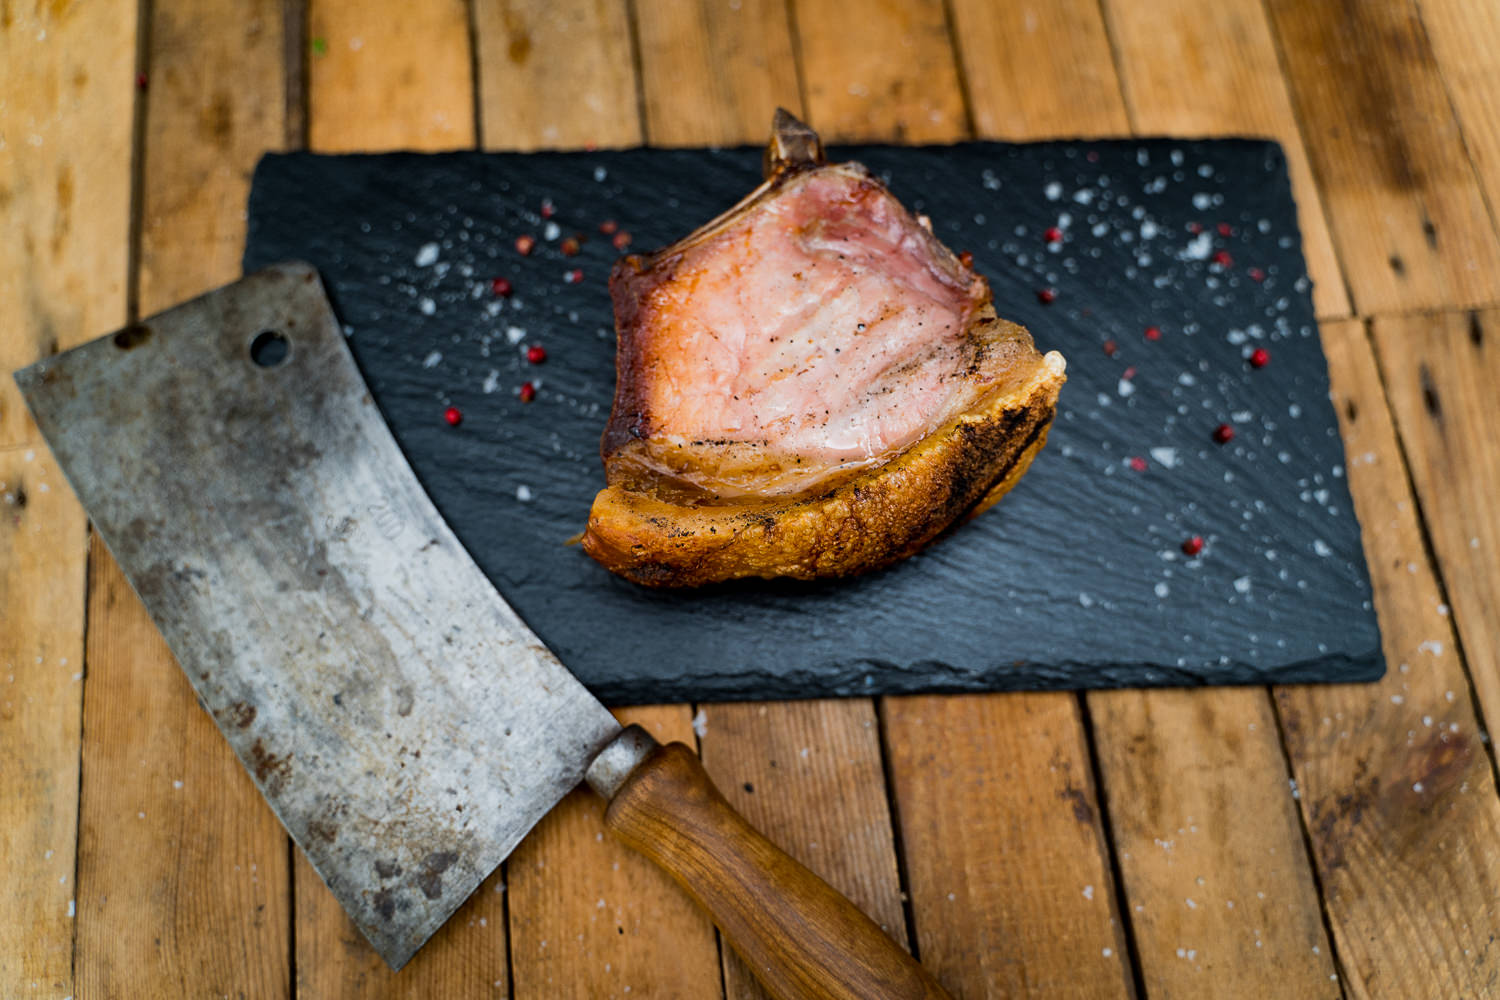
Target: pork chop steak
{"x": 811, "y": 385}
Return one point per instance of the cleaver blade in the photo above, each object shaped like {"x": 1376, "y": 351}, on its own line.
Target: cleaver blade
{"x": 405, "y": 725}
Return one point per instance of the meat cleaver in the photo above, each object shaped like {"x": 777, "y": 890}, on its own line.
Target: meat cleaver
{"x": 403, "y": 722}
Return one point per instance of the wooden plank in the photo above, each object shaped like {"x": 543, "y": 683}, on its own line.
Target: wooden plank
{"x": 1440, "y": 376}
{"x": 648, "y": 938}
{"x": 591, "y": 918}
{"x": 772, "y": 761}
{"x": 43, "y": 547}
{"x": 1407, "y": 213}
{"x": 883, "y": 73}
{"x": 809, "y": 776}
{"x": 167, "y": 810}
{"x": 1193, "y": 69}
{"x": 1221, "y": 892}
{"x": 393, "y": 76}
{"x": 182, "y": 869}
{"x": 65, "y": 140}
{"x": 1397, "y": 790}
{"x": 1162, "y": 754}
{"x": 1038, "y": 71}
{"x": 1465, "y": 38}
{"x": 1011, "y": 889}
{"x": 66, "y": 103}
{"x": 974, "y": 933}
{"x": 714, "y": 74}
{"x": 385, "y": 76}
{"x": 554, "y": 75}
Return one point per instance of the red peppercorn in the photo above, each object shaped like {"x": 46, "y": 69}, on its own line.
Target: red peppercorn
{"x": 454, "y": 416}
{"x": 501, "y": 287}
{"x": 1222, "y": 258}
{"x": 608, "y": 227}
{"x": 548, "y": 209}
{"x": 1225, "y": 229}
{"x": 1110, "y": 348}
{"x": 1053, "y": 235}
{"x": 1256, "y": 274}
{"x": 528, "y": 392}
{"x": 569, "y": 247}
{"x": 1223, "y": 434}
{"x": 525, "y": 244}
{"x": 1192, "y": 546}
{"x": 1128, "y": 373}
{"x": 573, "y": 277}
{"x": 1046, "y": 296}
{"x": 1138, "y": 463}
{"x": 536, "y": 354}
{"x": 621, "y": 240}
{"x": 1260, "y": 357}
{"x": 1153, "y": 333}
{"x": 1195, "y": 228}
{"x": 966, "y": 259}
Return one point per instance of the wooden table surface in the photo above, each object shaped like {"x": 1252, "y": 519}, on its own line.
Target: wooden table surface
{"x": 1284, "y": 842}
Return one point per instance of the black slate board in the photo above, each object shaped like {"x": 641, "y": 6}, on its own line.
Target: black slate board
{"x": 1075, "y": 580}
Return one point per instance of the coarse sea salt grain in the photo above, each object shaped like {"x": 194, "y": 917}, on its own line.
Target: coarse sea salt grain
{"x": 433, "y": 359}
{"x": 523, "y": 493}
{"x": 428, "y": 255}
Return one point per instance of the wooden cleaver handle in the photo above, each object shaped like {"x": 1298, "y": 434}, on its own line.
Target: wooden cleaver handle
{"x": 800, "y": 937}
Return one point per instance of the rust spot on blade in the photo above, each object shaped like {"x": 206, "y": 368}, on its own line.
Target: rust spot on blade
{"x": 387, "y": 869}
{"x": 270, "y": 770}
{"x": 433, "y": 866}
{"x": 239, "y": 715}
{"x": 385, "y": 903}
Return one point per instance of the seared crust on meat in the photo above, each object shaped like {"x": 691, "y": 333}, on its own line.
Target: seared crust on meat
{"x": 876, "y": 519}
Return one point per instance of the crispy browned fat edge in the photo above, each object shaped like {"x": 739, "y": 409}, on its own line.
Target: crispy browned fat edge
{"x": 877, "y": 519}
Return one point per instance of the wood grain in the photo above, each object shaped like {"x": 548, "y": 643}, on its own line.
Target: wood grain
{"x": 714, "y": 74}
{"x": 1465, "y": 38}
{"x": 882, "y": 73}
{"x": 808, "y": 775}
{"x": 1038, "y": 71}
{"x": 1397, "y": 790}
{"x": 66, "y": 105}
{"x": 803, "y": 939}
{"x": 649, "y": 936}
{"x": 591, "y": 918}
{"x": 43, "y": 548}
{"x": 173, "y": 836}
{"x": 1407, "y": 214}
{"x": 393, "y": 76}
{"x": 182, "y": 869}
{"x": 1221, "y": 891}
{"x": 763, "y": 745}
{"x": 1441, "y": 373}
{"x": 936, "y": 858}
{"x": 384, "y": 75}
{"x": 1009, "y": 875}
{"x": 1162, "y": 755}
{"x": 555, "y": 74}
{"x": 1195, "y": 69}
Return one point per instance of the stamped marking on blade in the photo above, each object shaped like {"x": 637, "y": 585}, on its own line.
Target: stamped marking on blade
{"x": 402, "y": 721}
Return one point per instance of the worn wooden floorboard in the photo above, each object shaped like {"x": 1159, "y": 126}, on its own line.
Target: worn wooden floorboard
{"x": 1441, "y": 373}
{"x": 1397, "y": 791}
{"x": 66, "y": 105}
{"x": 174, "y": 838}
{"x": 1406, "y": 211}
